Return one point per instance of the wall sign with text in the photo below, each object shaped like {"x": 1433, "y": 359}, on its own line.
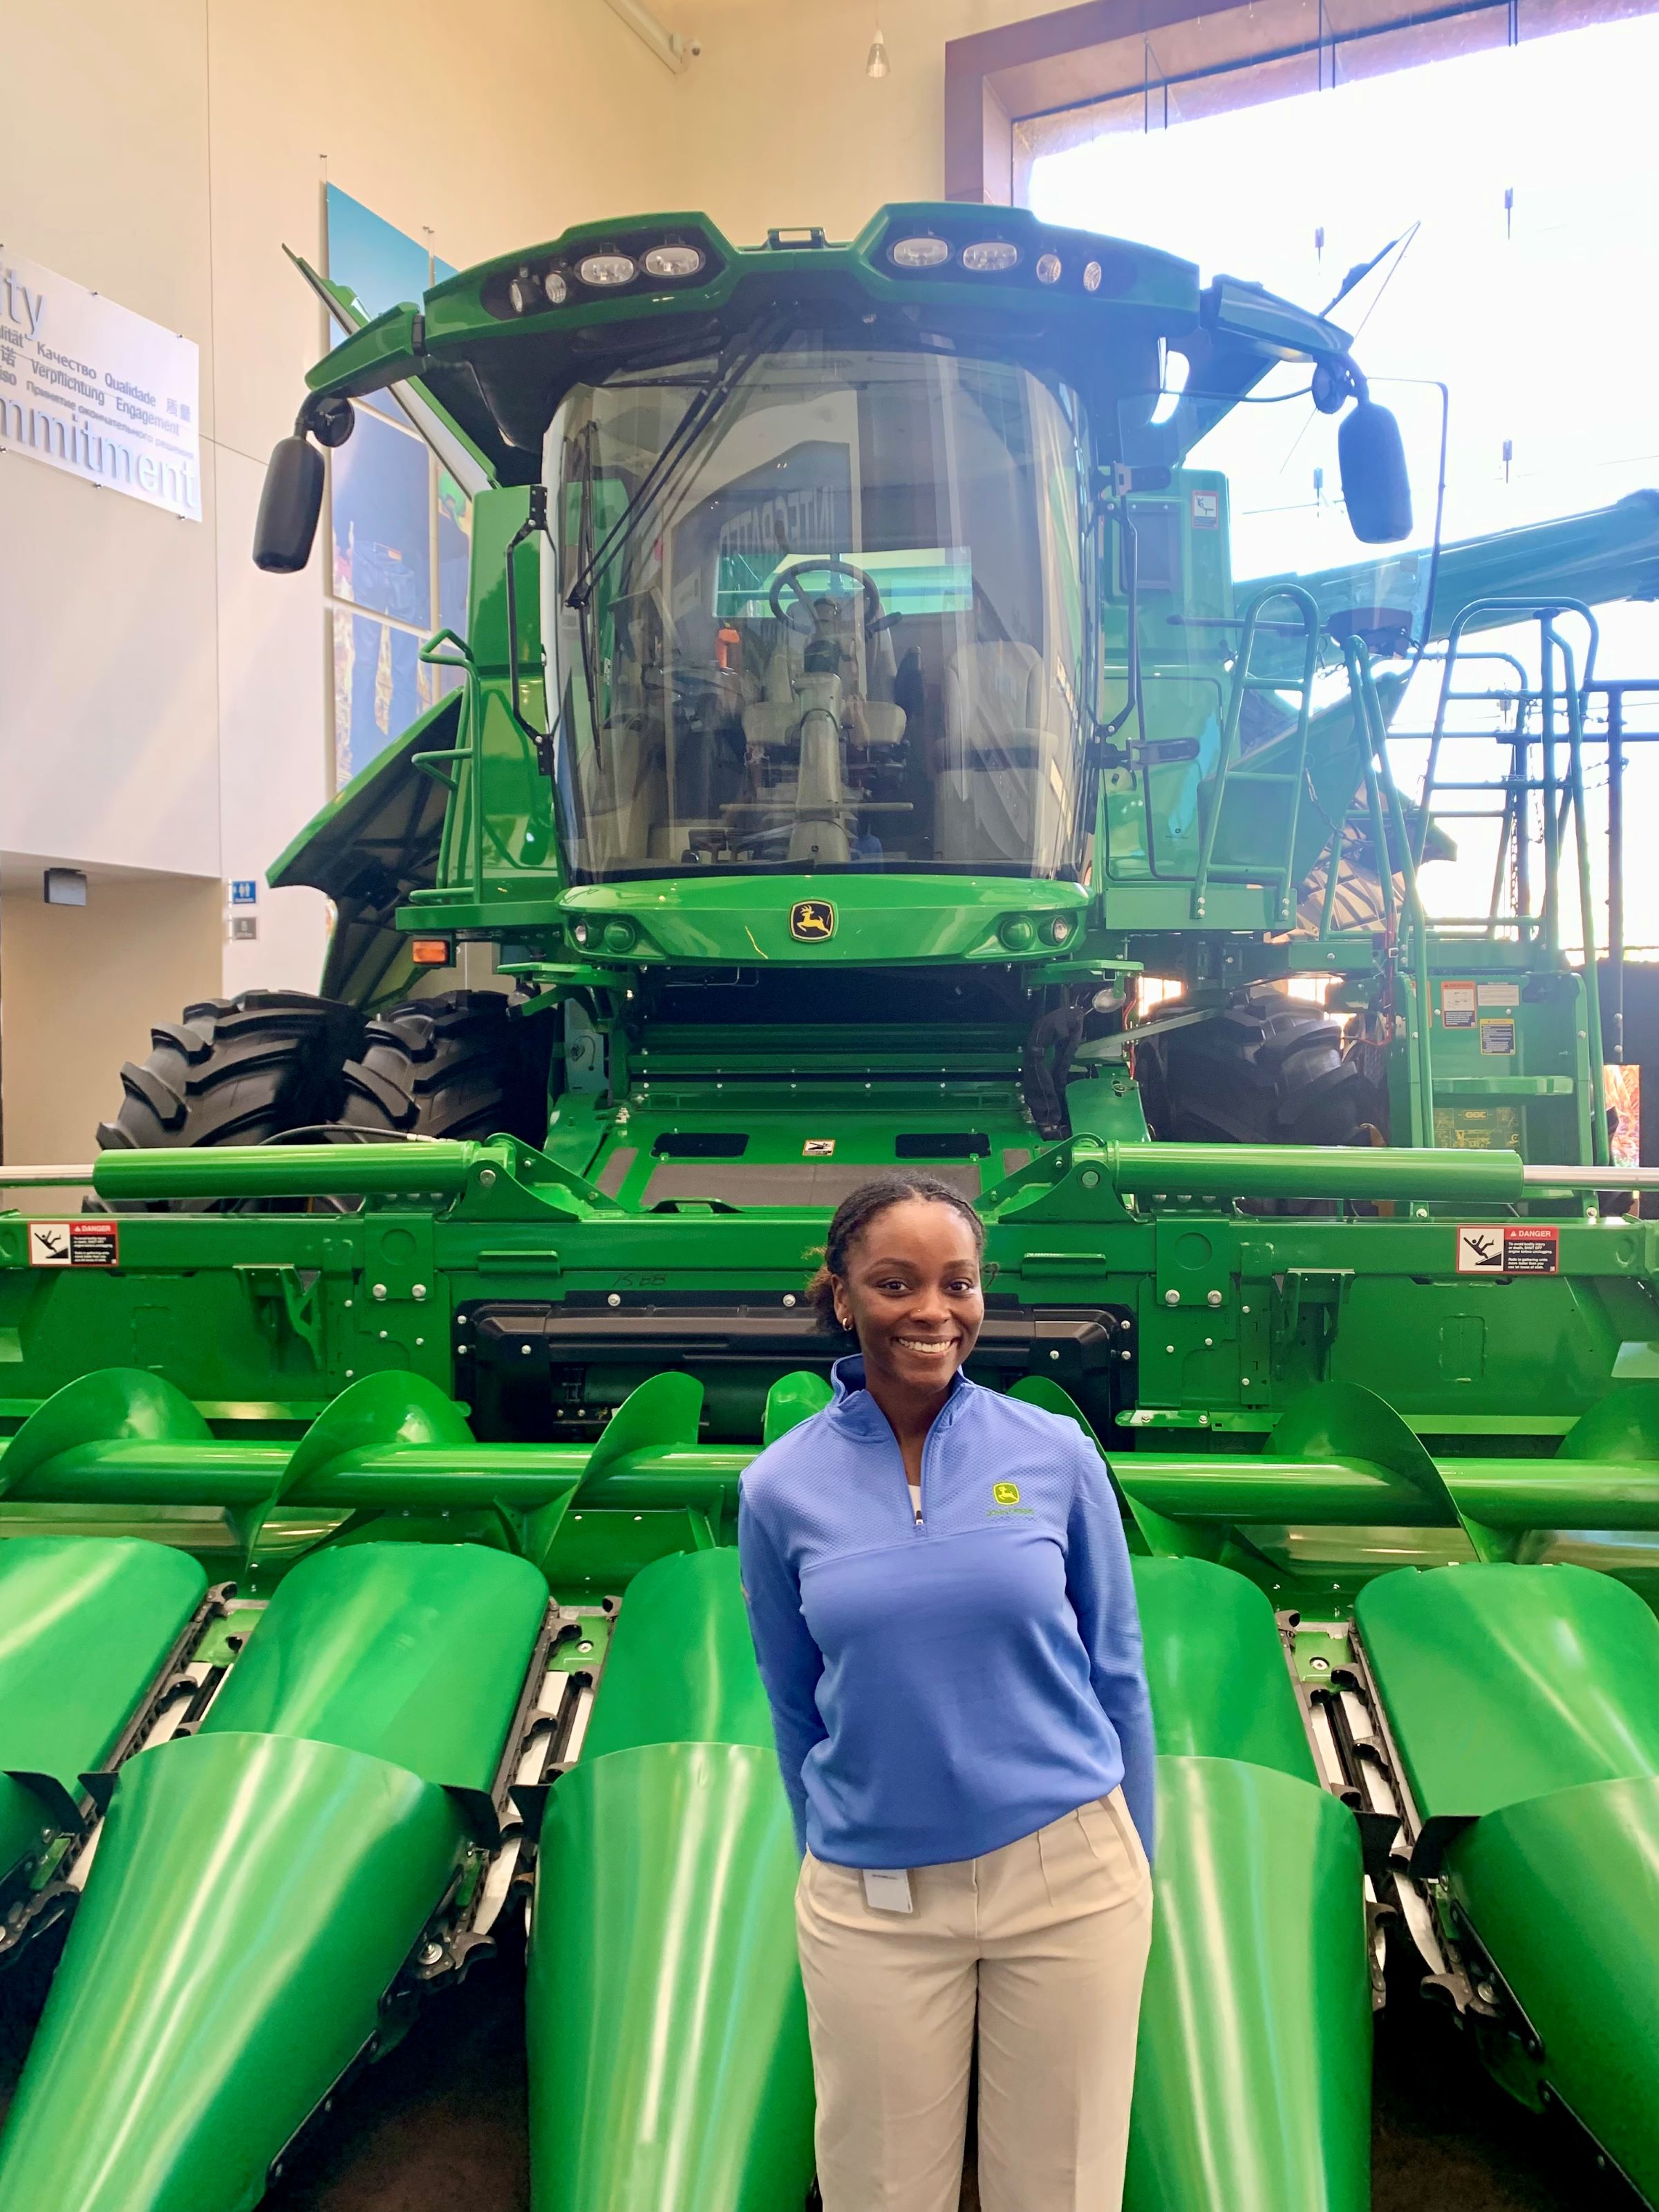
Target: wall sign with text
{"x": 89, "y": 387}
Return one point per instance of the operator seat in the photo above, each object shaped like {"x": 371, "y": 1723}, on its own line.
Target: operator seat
{"x": 1003, "y": 789}
{"x": 770, "y": 721}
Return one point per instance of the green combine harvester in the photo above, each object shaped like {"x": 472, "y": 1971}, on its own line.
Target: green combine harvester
{"x": 858, "y": 705}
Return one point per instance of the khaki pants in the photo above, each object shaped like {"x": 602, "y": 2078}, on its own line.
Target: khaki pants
{"x": 1046, "y": 1941}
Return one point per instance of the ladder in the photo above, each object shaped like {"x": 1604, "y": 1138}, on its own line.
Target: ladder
{"x": 1278, "y": 876}
{"x": 1548, "y": 721}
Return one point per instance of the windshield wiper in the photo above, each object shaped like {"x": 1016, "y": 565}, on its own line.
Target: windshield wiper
{"x": 655, "y": 485}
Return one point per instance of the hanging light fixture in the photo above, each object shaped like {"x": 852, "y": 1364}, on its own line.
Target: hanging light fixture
{"x": 875, "y": 64}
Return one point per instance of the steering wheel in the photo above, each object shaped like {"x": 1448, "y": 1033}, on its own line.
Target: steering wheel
{"x": 789, "y": 579}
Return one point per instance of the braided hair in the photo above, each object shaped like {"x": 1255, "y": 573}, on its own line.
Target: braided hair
{"x": 854, "y": 1215}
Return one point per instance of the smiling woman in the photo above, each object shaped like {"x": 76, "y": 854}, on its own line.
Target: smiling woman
{"x": 901, "y": 1278}
{"x": 964, "y": 1727}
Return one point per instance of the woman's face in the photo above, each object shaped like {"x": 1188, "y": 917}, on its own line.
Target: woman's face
{"x": 912, "y": 1292}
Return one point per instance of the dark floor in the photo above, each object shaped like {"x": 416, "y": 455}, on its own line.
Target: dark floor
{"x": 440, "y": 2126}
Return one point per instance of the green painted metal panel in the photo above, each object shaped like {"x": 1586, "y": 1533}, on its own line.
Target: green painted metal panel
{"x": 1508, "y": 1682}
{"x": 681, "y": 1668}
{"x": 1560, "y": 1890}
{"x": 1216, "y": 1668}
{"x": 85, "y": 1624}
{"x": 252, "y": 1899}
{"x": 26, "y": 1824}
{"x": 414, "y": 1653}
{"x": 1252, "y": 2078}
{"x": 669, "y": 2064}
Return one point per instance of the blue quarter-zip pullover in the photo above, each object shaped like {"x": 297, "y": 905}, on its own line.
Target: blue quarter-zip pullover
{"x": 941, "y": 1688}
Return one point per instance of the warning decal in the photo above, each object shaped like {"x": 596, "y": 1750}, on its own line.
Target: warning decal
{"x": 1207, "y": 510}
{"x": 74, "y": 1243}
{"x": 1509, "y": 1248}
{"x": 1457, "y": 1005}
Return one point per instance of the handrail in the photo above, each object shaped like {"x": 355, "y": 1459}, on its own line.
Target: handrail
{"x": 1600, "y": 1150}
{"x": 1420, "y": 1094}
{"x": 1244, "y": 682}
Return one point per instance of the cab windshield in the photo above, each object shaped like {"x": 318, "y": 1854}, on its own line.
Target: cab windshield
{"x": 820, "y": 608}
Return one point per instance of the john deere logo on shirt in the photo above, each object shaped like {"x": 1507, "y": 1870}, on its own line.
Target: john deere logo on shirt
{"x": 810, "y": 919}
{"x": 1005, "y": 1493}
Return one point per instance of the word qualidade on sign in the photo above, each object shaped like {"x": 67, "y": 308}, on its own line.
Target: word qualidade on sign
{"x": 92, "y": 389}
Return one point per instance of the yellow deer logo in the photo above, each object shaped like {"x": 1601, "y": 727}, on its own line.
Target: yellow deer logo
{"x": 812, "y": 919}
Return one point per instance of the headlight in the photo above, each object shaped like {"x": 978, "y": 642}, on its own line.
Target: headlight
{"x": 674, "y": 261}
{"x": 1018, "y": 932}
{"x": 556, "y": 289}
{"x": 1048, "y": 268}
{"x": 1091, "y": 277}
{"x": 523, "y": 293}
{"x": 989, "y": 255}
{"x": 919, "y": 252}
{"x": 1057, "y": 930}
{"x": 606, "y": 270}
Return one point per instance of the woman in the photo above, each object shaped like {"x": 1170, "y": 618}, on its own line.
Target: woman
{"x": 938, "y": 1590}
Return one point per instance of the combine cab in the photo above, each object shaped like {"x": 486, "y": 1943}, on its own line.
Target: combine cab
{"x": 859, "y": 702}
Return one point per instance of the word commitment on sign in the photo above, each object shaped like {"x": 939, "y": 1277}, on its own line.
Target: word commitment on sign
{"x": 93, "y": 389}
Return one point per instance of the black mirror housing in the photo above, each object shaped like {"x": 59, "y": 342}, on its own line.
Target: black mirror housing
{"x": 1375, "y": 483}
{"x": 289, "y": 507}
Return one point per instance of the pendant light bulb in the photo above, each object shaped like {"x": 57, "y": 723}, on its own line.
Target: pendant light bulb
{"x": 876, "y": 61}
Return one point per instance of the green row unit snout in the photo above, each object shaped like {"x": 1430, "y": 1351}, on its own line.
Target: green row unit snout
{"x": 669, "y": 2065}
{"x": 1253, "y": 2076}
{"x": 1524, "y": 1703}
{"x": 258, "y": 1884}
{"x": 87, "y": 1625}
{"x": 261, "y": 1887}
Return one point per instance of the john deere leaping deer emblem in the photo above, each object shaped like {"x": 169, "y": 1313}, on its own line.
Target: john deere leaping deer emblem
{"x": 812, "y": 919}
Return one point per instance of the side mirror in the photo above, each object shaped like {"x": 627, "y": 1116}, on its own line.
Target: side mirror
{"x": 290, "y": 504}
{"x": 1376, "y": 485}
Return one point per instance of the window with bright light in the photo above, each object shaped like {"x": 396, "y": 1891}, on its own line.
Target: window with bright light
{"x": 1521, "y": 184}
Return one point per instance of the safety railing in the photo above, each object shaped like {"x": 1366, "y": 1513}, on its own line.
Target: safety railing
{"x": 1278, "y": 876}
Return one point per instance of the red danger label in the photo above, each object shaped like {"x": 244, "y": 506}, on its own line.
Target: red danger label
{"x": 93, "y": 1243}
{"x": 1509, "y": 1248}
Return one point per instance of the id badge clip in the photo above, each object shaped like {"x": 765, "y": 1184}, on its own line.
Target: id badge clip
{"x": 887, "y": 1889}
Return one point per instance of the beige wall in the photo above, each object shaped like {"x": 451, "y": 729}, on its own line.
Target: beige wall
{"x": 81, "y": 987}
{"x": 778, "y": 124}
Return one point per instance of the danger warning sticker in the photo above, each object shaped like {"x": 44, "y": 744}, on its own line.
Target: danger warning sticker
{"x": 74, "y": 1244}
{"x": 1509, "y": 1248}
